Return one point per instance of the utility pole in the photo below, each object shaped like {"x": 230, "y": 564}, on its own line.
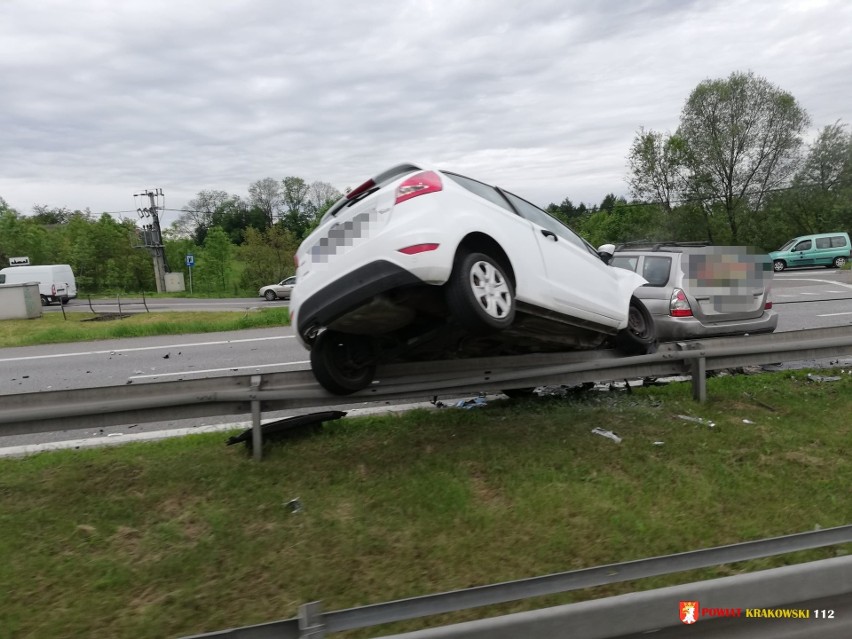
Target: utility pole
{"x": 152, "y": 201}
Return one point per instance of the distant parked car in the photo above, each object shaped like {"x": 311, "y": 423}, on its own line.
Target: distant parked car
{"x": 831, "y": 250}
{"x": 281, "y": 290}
{"x": 695, "y": 290}
{"x": 419, "y": 263}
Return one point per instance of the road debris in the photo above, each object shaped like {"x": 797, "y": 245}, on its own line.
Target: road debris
{"x": 659, "y": 443}
{"x": 608, "y": 434}
{"x": 697, "y": 420}
{"x": 476, "y": 402}
{"x": 294, "y": 505}
{"x": 823, "y": 378}
{"x": 747, "y": 421}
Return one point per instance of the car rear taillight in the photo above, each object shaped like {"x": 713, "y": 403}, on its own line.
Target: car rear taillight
{"x": 679, "y": 305}
{"x": 418, "y": 248}
{"x": 418, "y": 184}
{"x": 767, "y": 306}
{"x": 358, "y": 190}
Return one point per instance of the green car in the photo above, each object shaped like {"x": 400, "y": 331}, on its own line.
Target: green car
{"x": 820, "y": 249}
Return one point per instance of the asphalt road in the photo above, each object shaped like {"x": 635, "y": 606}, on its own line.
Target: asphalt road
{"x": 803, "y": 299}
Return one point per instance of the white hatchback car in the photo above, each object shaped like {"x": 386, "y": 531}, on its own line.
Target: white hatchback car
{"x": 419, "y": 263}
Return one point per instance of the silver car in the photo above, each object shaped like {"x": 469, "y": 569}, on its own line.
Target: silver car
{"x": 281, "y": 290}
{"x": 697, "y": 291}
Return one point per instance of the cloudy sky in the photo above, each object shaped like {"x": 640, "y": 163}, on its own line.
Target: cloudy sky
{"x": 103, "y": 98}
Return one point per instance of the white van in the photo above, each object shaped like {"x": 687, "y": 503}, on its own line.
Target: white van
{"x": 56, "y": 282}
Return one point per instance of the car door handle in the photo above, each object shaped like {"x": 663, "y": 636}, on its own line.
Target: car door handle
{"x": 550, "y": 234}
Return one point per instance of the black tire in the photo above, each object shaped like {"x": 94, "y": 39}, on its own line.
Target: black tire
{"x": 779, "y": 265}
{"x": 480, "y": 295}
{"x": 640, "y": 336}
{"x": 839, "y": 262}
{"x": 65, "y": 300}
{"x": 45, "y": 300}
{"x": 270, "y": 295}
{"x": 342, "y": 363}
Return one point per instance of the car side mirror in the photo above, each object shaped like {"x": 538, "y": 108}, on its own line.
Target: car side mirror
{"x": 605, "y": 252}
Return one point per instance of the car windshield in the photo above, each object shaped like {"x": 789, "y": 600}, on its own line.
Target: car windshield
{"x": 786, "y": 247}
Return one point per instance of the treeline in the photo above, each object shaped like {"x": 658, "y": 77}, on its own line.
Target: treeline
{"x": 735, "y": 171}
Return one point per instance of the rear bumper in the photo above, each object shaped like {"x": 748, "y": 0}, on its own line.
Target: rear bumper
{"x": 348, "y": 293}
{"x": 671, "y": 329}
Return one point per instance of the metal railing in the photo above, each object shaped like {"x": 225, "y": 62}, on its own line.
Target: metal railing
{"x": 314, "y": 623}
{"x": 43, "y": 411}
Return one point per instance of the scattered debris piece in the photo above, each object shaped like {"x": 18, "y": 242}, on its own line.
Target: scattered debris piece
{"x": 608, "y": 434}
{"x": 760, "y": 403}
{"x": 294, "y": 505}
{"x": 290, "y": 425}
{"x": 697, "y": 420}
{"x": 166, "y": 356}
{"x": 476, "y": 402}
{"x": 823, "y": 378}
{"x": 747, "y": 421}
{"x": 659, "y": 443}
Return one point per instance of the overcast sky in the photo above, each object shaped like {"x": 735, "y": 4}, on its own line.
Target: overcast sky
{"x": 103, "y": 98}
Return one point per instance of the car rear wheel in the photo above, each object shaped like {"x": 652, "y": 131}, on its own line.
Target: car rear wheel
{"x": 45, "y": 301}
{"x": 270, "y": 295}
{"x": 342, "y": 363}
{"x": 779, "y": 265}
{"x": 479, "y": 294}
{"x": 839, "y": 262}
{"x": 640, "y": 337}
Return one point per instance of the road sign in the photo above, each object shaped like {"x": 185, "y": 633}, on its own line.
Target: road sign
{"x": 190, "y": 261}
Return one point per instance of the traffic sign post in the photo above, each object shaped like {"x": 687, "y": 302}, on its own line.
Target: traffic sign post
{"x": 190, "y": 262}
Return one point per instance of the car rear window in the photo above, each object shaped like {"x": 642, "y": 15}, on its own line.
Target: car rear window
{"x": 481, "y": 189}
{"x": 656, "y": 270}
{"x": 838, "y": 241}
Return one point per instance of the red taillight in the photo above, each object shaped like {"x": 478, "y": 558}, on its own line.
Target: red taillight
{"x": 679, "y": 305}
{"x": 767, "y": 306}
{"x": 358, "y": 190}
{"x": 419, "y": 184}
{"x": 418, "y": 248}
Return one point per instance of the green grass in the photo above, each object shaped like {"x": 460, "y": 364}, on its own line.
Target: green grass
{"x": 186, "y": 535}
{"x": 52, "y": 328}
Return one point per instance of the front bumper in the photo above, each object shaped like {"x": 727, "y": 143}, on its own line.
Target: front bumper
{"x": 348, "y": 293}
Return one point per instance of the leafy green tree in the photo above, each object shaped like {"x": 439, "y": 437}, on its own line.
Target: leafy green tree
{"x": 268, "y": 256}
{"x": 197, "y": 216}
{"x": 215, "y": 259}
{"x": 296, "y": 219}
{"x": 657, "y": 167}
{"x": 743, "y": 140}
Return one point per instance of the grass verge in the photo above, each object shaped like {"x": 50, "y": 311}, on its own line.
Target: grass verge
{"x": 52, "y": 328}
{"x": 185, "y": 536}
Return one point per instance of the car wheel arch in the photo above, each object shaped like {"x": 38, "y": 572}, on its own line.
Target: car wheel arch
{"x": 478, "y": 242}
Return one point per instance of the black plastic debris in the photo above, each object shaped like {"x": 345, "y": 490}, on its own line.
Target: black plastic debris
{"x": 281, "y": 428}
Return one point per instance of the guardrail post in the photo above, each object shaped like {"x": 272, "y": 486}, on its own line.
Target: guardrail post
{"x": 698, "y": 367}
{"x": 256, "y": 433}
{"x": 310, "y": 621}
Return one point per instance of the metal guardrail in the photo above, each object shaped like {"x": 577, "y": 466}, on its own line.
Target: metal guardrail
{"x": 313, "y": 623}
{"x": 27, "y": 413}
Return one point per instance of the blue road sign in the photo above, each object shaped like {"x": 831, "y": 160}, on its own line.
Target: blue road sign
{"x": 190, "y": 261}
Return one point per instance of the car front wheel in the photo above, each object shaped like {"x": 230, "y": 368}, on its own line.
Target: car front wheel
{"x": 640, "y": 337}
{"x": 479, "y": 294}
{"x": 270, "y": 295}
{"x": 779, "y": 265}
{"x": 342, "y": 363}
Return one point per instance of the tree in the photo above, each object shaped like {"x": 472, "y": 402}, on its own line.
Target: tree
{"x": 197, "y": 216}
{"x": 295, "y": 193}
{"x": 268, "y": 256}
{"x": 657, "y": 167}
{"x": 214, "y": 265}
{"x": 742, "y": 138}
{"x": 266, "y": 196}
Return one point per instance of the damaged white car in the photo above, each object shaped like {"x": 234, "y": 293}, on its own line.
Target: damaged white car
{"x": 419, "y": 263}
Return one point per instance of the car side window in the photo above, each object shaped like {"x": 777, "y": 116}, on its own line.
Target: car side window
{"x": 481, "y": 189}
{"x": 656, "y": 270}
{"x": 803, "y": 246}
{"x": 546, "y": 221}
{"x": 289, "y": 281}
{"x": 625, "y": 262}
{"x": 838, "y": 241}
{"x": 823, "y": 242}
